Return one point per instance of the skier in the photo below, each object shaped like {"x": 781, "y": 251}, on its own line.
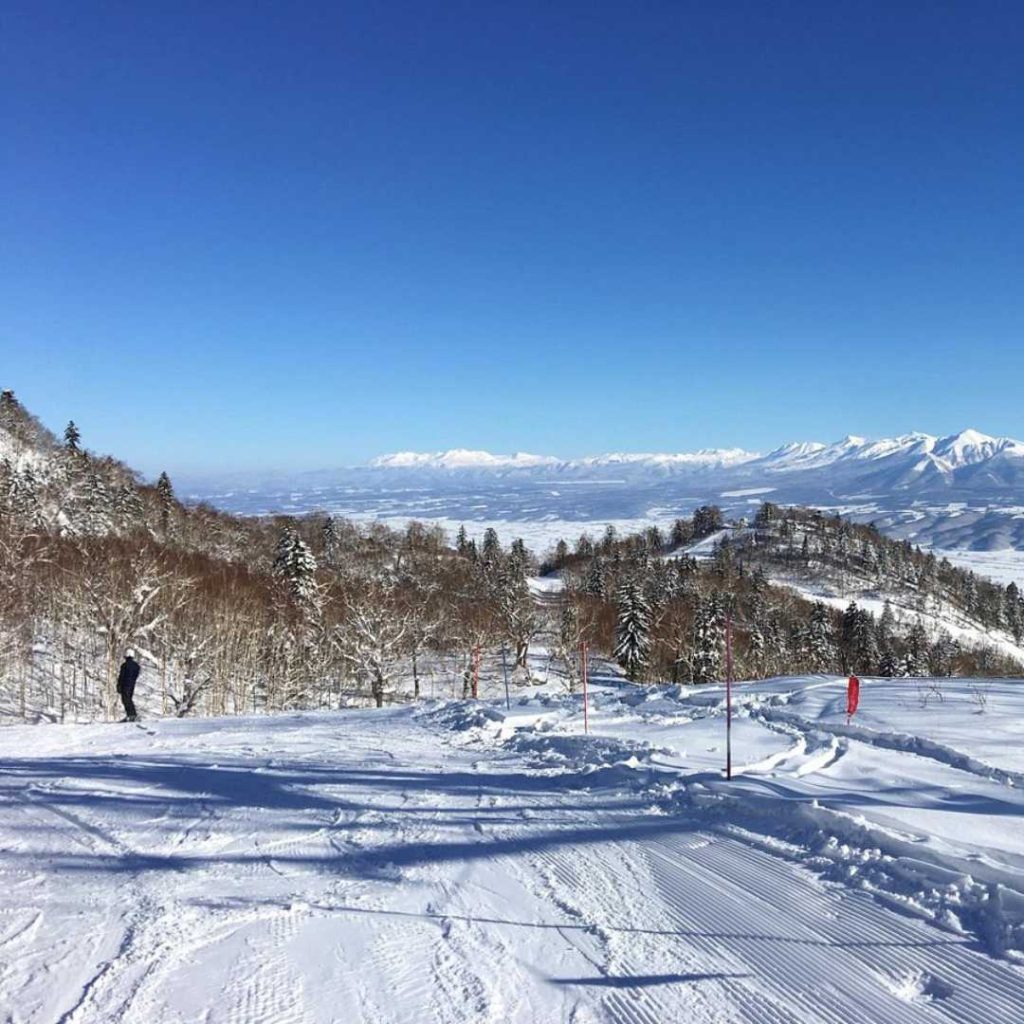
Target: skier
{"x": 126, "y": 685}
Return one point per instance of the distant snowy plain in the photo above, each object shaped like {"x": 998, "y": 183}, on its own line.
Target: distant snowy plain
{"x": 460, "y": 862}
{"x": 963, "y": 492}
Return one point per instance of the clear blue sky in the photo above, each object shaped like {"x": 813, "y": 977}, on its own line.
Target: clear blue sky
{"x": 301, "y": 234}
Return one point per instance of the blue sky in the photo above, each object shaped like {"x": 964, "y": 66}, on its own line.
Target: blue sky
{"x": 301, "y": 234}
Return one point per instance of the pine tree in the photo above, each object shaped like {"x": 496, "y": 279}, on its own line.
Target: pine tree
{"x": 329, "y": 538}
{"x": 706, "y": 521}
{"x": 584, "y": 546}
{"x": 165, "y": 498}
{"x": 519, "y": 557}
{"x": 915, "y": 658}
{"x": 776, "y": 648}
{"x": 865, "y": 644}
{"x": 491, "y": 550}
{"x": 99, "y": 505}
{"x": 819, "y": 647}
{"x": 943, "y": 655}
{"x": 847, "y": 632}
{"x": 632, "y": 630}
{"x": 72, "y": 437}
{"x": 1013, "y": 611}
{"x": 767, "y": 516}
{"x": 708, "y": 641}
{"x": 595, "y": 581}
{"x": 886, "y": 625}
{"x": 757, "y": 647}
{"x": 682, "y": 532}
{"x": 9, "y": 407}
{"x": 295, "y": 566}
{"x": 128, "y": 507}
{"x": 25, "y": 495}
{"x": 888, "y": 663}
{"x": 561, "y": 554}
{"x": 462, "y": 540}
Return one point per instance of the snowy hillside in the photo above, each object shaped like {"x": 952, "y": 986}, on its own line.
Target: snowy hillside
{"x": 463, "y": 863}
{"x": 960, "y": 491}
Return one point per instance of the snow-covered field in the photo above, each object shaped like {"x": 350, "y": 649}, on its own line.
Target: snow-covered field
{"x": 458, "y": 862}
{"x": 1006, "y": 566}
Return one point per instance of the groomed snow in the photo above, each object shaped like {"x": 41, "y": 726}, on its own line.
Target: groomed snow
{"x": 460, "y": 862}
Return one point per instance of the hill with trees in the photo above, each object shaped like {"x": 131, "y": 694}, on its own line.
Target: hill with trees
{"x": 235, "y": 614}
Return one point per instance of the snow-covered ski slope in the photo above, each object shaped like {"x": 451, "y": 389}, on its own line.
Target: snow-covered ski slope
{"x": 457, "y": 862}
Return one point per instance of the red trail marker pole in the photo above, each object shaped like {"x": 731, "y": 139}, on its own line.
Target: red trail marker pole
{"x": 586, "y": 669}
{"x": 728, "y": 697}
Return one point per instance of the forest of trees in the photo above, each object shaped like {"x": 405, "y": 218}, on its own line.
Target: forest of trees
{"x": 664, "y": 614}
{"x": 234, "y": 614}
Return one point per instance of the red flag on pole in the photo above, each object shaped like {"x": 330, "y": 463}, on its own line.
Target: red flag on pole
{"x": 852, "y": 696}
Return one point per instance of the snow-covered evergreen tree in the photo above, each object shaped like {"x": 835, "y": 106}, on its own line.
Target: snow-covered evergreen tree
{"x": 915, "y": 657}
{"x": 865, "y": 644}
{"x": 943, "y": 654}
{"x": 633, "y": 629}
{"x": 128, "y": 507}
{"x": 329, "y": 539}
{"x": 99, "y": 505}
{"x": 596, "y": 579}
{"x": 25, "y": 500}
{"x": 584, "y": 546}
{"x": 519, "y": 559}
{"x": 165, "y": 499}
{"x": 72, "y": 437}
{"x": 295, "y": 565}
{"x": 757, "y": 650}
{"x": 706, "y": 520}
{"x": 819, "y": 645}
{"x": 708, "y": 640}
{"x": 682, "y": 533}
{"x": 491, "y": 549}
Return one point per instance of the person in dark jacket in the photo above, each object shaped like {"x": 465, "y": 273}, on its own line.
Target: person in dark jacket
{"x": 126, "y": 685}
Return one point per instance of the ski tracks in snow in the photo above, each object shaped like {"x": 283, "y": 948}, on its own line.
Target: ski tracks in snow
{"x": 377, "y": 868}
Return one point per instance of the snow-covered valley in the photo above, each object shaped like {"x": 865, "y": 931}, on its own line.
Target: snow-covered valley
{"x": 959, "y": 492}
{"x": 457, "y": 861}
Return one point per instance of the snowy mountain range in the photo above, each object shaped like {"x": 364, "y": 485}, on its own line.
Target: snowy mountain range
{"x": 963, "y": 490}
{"x": 905, "y": 461}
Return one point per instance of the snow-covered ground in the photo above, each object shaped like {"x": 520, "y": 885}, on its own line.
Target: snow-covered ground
{"x": 460, "y": 862}
{"x": 1006, "y": 566}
